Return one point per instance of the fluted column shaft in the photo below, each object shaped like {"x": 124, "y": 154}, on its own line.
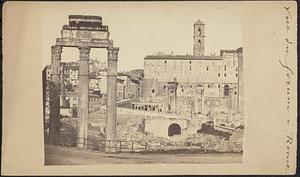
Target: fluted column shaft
{"x": 111, "y": 103}
{"x": 83, "y": 104}
{"x": 54, "y": 94}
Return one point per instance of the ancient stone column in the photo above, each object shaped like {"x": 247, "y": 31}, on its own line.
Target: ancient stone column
{"x": 111, "y": 104}
{"x": 175, "y": 98}
{"x": 83, "y": 102}
{"x": 63, "y": 102}
{"x": 202, "y": 100}
{"x": 196, "y": 97}
{"x": 54, "y": 95}
{"x": 240, "y": 81}
{"x": 169, "y": 99}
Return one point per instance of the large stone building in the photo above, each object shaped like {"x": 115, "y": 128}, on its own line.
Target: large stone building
{"x": 194, "y": 84}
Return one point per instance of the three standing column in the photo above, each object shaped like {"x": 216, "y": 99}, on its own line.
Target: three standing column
{"x": 54, "y": 94}
{"x": 83, "y": 102}
{"x": 111, "y": 102}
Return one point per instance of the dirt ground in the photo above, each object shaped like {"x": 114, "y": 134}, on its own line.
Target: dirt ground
{"x": 72, "y": 156}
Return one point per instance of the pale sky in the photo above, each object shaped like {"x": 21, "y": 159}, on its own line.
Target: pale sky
{"x": 141, "y": 29}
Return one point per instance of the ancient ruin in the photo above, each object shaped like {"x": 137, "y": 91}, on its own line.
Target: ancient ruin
{"x": 84, "y": 33}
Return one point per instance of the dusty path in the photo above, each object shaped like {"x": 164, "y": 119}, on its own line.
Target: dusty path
{"x": 72, "y": 156}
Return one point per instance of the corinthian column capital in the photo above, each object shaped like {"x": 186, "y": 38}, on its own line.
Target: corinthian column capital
{"x": 113, "y": 53}
{"x": 84, "y": 52}
{"x": 56, "y": 51}
{"x": 55, "y": 59}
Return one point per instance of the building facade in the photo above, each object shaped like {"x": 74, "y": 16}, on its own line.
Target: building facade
{"x": 128, "y": 86}
{"x": 194, "y": 84}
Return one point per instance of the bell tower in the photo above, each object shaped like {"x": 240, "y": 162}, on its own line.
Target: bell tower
{"x": 199, "y": 37}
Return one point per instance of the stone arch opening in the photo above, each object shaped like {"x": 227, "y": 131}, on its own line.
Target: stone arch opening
{"x": 174, "y": 129}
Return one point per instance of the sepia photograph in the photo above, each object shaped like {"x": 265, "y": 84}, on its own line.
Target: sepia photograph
{"x": 176, "y": 108}
{"x": 172, "y": 86}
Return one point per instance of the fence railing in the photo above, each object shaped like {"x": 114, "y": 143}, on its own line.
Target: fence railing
{"x": 149, "y": 146}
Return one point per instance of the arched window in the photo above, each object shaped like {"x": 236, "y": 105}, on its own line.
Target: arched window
{"x": 199, "y": 30}
{"x": 153, "y": 91}
{"x": 226, "y": 90}
{"x": 199, "y": 42}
